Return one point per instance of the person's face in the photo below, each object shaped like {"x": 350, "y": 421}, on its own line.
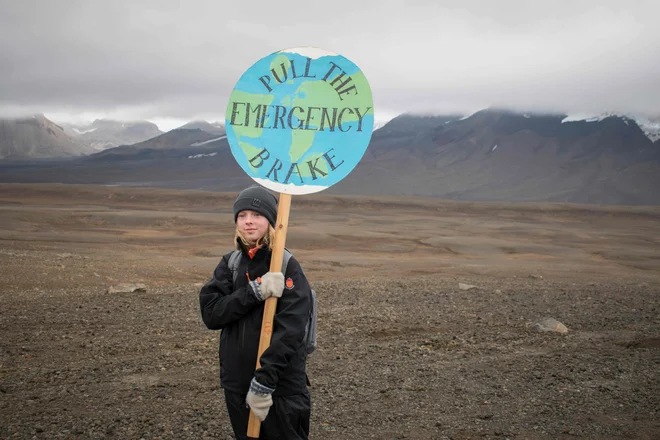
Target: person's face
{"x": 252, "y": 225}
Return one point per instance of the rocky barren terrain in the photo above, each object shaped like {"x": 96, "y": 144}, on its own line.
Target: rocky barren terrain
{"x": 405, "y": 353}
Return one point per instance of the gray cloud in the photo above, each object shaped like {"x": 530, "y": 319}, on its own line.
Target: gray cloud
{"x": 172, "y": 59}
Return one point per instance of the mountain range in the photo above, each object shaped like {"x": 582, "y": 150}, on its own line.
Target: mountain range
{"x": 104, "y": 133}
{"x": 209, "y": 127}
{"x": 492, "y": 155}
{"x": 497, "y": 155}
{"x": 36, "y": 137}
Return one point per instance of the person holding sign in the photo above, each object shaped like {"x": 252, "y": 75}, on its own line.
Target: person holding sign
{"x": 298, "y": 121}
{"x": 233, "y": 301}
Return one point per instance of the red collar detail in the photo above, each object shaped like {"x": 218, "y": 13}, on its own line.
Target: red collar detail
{"x": 252, "y": 252}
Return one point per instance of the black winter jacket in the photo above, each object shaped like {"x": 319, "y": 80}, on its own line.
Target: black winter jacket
{"x": 236, "y": 311}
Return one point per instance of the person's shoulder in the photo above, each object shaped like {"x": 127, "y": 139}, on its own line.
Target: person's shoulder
{"x": 229, "y": 254}
{"x": 294, "y": 266}
{"x": 292, "y": 259}
{"x": 224, "y": 260}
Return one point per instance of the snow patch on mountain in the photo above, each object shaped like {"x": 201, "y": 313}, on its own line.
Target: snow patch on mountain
{"x": 197, "y": 156}
{"x": 84, "y": 131}
{"x": 197, "y": 144}
{"x": 379, "y": 124}
{"x": 586, "y": 117}
{"x": 650, "y": 127}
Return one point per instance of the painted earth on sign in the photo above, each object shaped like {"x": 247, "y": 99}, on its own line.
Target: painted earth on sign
{"x": 299, "y": 124}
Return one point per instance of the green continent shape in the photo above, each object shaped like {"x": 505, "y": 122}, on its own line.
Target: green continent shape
{"x": 277, "y": 62}
{"x": 320, "y": 93}
{"x": 250, "y": 151}
{"x": 301, "y": 141}
{"x": 253, "y": 99}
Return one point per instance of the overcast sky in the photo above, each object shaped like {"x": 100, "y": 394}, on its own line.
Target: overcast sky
{"x": 172, "y": 61}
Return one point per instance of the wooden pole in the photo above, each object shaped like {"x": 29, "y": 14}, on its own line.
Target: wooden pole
{"x": 281, "y": 225}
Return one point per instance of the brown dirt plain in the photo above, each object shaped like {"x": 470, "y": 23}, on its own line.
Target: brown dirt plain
{"x": 404, "y": 353}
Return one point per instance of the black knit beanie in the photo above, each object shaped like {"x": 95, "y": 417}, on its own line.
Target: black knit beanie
{"x": 256, "y": 198}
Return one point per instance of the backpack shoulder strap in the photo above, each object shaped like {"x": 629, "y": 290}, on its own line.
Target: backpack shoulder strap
{"x": 285, "y": 260}
{"x": 232, "y": 264}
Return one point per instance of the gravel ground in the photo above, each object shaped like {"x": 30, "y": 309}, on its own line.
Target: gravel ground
{"x": 408, "y": 358}
{"x": 404, "y": 352}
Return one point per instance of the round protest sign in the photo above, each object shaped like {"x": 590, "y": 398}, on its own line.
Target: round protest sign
{"x": 299, "y": 120}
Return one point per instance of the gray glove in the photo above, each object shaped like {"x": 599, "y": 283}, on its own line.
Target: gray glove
{"x": 260, "y": 399}
{"x": 271, "y": 284}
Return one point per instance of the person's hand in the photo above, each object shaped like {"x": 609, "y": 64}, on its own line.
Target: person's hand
{"x": 260, "y": 399}
{"x": 272, "y": 284}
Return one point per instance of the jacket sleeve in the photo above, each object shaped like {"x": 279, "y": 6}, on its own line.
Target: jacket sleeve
{"x": 219, "y": 303}
{"x": 291, "y": 317}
